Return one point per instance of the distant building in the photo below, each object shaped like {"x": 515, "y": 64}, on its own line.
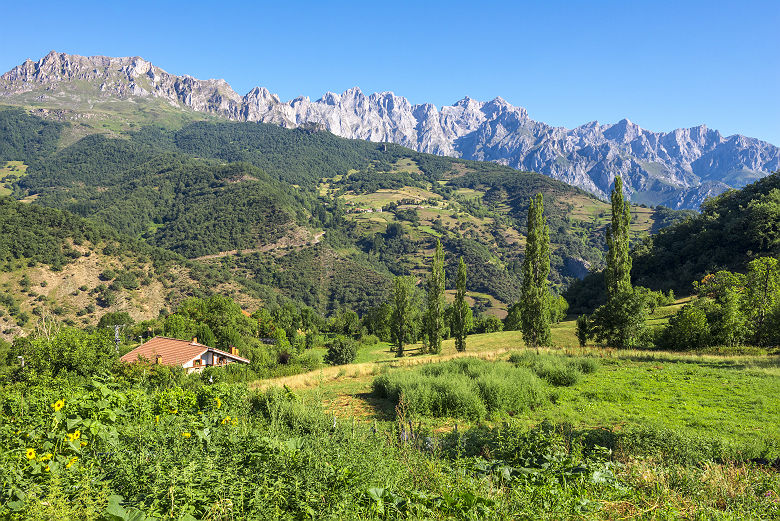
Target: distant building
{"x": 190, "y": 355}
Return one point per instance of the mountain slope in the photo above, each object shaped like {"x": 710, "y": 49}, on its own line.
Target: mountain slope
{"x": 318, "y": 218}
{"x": 678, "y": 169}
{"x": 732, "y": 229}
{"x": 53, "y": 263}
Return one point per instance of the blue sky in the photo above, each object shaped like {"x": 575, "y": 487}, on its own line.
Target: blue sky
{"x": 661, "y": 64}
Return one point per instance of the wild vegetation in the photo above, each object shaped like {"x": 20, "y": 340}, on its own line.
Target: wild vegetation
{"x": 414, "y": 361}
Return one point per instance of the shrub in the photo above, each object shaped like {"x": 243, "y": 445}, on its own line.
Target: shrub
{"x": 688, "y": 329}
{"x": 621, "y": 321}
{"x": 341, "y": 350}
{"x": 107, "y": 274}
{"x": 586, "y": 365}
{"x": 559, "y": 375}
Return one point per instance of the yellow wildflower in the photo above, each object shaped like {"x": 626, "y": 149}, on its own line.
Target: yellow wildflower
{"x": 59, "y": 404}
{"x": 47, "y": 469}
{"x": 186, "y": 434}
{"x": 71, "y": 461}
{"x": 174, "y": 411}
{"x": 30, "y": 453}
{"x": 235, "y": 421}
{"x": 46, "y": 456}
{"x": 217, "y": 403}
{"x": 157, "y": 419}
{"x": 226, "y": 420}
{"x": 83, "y": 443}
{"x": 75, "y": 435}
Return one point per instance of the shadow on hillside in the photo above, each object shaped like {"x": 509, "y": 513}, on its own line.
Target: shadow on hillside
{"x": 408, "y": 352}
{"x": 382, "y": 408}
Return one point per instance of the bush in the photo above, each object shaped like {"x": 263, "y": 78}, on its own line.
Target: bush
{"x": 370, "y": 340}
{"x": 583, "y": 330}
{"x": 621, "y": 321}
{"x": 556, "y": 374}
{"x": 107, "y": 274}
{"x": 688, "y": 329}
{"x": 341, "y": 351}
{"x": 586, "y": 365}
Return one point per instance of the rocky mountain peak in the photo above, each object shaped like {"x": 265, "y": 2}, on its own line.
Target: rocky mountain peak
{"x": 676, "y": 168}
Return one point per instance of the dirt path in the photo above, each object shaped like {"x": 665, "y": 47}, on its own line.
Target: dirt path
{"x": 283, "y": 243}
{"x": 314, "y": 378}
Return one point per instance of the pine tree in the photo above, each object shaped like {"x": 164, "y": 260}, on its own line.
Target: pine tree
{"x": 534, "y": 294}
{"x": 618, "y": 272}
{"x": 461, "y": 313}
{"x": 434, "y": 318}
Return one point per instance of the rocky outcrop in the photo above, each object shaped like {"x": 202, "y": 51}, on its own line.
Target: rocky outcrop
{"x": 678, "y": 168}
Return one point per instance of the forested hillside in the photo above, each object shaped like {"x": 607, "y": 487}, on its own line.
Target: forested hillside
{"x": 26, "y": 137}
{"x": 301, "y": 208}
{"x": 732, "y": 229}
{"x": 55, "y": 265}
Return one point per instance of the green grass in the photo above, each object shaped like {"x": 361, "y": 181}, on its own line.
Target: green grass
{"x": 11, "y": 172}
{"x": 737, "y": 400}
{"x": 733, "y": 398}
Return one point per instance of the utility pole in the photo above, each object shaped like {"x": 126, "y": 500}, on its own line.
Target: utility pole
{"x": 116, "y": 329}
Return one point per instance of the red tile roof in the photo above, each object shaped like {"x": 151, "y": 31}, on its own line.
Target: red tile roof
{"x": 173, "y": 351}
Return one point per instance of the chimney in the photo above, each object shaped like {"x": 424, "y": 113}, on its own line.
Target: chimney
{"x": 194, "y": 340}
{"x": 233, "y": 350}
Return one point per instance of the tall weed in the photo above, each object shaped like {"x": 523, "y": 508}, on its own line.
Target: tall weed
{"x": 464, "y": 388}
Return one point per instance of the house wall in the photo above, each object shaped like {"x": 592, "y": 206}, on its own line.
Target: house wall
{"x": 207, "y": 358}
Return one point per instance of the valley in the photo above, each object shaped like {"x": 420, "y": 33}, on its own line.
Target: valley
{"x": 219, "y": 307}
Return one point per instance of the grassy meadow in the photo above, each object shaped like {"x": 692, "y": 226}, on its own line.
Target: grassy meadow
{"x": 689, "y": 433}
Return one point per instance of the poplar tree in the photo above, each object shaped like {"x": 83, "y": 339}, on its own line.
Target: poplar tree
{"x": 618, "y": 272}
{"x": 621, "y": 321}
{"x": 402, "y": 319}
{"x": 534, "y": 294}
{"x": 434, "y": 318}
{"x": 461, "y": 314}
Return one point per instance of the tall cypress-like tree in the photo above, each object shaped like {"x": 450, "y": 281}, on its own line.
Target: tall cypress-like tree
{"x": 621, "y": 321}
{"x": 618, "y": 272}
{"x": 461, "y": 315}
{"x": 434, "y": 318}
{"x": 402, "y": 319}
{"x": 534, "y": 294}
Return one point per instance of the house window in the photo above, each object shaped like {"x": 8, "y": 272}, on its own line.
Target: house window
{"x": 196, "y": 363}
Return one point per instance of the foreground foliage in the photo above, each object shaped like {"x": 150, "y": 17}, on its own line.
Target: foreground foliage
{"x": 106, "y": 450}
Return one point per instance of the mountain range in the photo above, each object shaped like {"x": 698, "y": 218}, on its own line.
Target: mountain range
{"x": 678, "y": 169}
